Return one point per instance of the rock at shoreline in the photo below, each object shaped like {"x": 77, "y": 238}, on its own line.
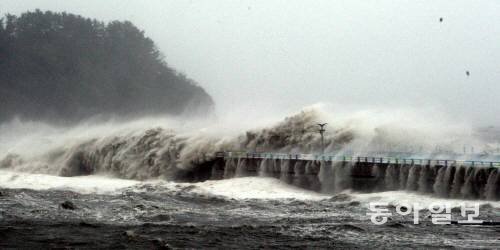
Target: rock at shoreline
{"x": 68, "y": 205}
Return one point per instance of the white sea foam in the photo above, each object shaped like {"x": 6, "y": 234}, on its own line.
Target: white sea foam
{"x": 237, "y": 188}
{"x": 82, "y": 184}
{"x": 256, "y": 188}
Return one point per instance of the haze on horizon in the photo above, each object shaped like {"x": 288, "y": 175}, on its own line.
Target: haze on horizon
{"x": 279, "y": 56}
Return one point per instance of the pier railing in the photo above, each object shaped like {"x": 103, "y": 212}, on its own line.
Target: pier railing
{"x": 344, "y": 158}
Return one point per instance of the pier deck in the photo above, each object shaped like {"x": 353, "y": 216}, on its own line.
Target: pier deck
{"x": 358, "y": 159}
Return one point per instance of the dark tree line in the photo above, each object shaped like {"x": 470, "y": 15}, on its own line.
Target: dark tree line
{"x": 63, "y": 67}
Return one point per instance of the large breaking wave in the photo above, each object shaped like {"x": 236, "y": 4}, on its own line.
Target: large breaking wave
{"x": 176, "y": 150}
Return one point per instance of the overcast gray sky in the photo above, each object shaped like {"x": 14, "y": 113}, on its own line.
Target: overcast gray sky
{"x": 278, "y": 56}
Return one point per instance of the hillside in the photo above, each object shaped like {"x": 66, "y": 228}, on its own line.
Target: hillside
{"x": 64, "y": 67}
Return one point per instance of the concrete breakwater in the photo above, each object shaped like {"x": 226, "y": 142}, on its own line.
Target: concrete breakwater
{"x": 443, "y": 178}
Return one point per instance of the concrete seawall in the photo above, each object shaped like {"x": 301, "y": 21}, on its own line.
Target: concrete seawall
{"x": 448, "y": 179}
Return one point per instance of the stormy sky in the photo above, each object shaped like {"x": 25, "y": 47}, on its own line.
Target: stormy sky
{"x": 279, "y": 56}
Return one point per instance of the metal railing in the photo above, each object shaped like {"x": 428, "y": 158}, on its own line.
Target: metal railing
{"x": 375, "y": 160}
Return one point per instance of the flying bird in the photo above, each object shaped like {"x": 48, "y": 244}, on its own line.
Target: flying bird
{"x": 440, "y": 19}
{"x": 467, "y": 73}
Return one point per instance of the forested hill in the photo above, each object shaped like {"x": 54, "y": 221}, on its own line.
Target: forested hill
{"x": 64, "y": 67}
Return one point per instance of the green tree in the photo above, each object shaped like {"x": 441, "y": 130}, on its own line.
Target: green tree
{"x": 64, "y": 67}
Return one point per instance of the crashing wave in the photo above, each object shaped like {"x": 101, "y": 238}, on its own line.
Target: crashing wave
{"x": 161, "y": 153}
{"x": 141, "y": 153}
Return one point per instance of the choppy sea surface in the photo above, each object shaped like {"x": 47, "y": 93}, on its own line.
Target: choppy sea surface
{"x": 251, "y": 212}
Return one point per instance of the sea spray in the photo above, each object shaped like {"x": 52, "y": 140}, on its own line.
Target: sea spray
{"x": 311, "y": 173}
{"x": 300, "y": 179}
{"x": 492, "y": 189}
{"x": 327, "y": 177}
{"x": 458, "y": 181}
{"x": 145, "y": 153}
{"x": 467, "y": 189}
{"x": 263, "y": 171}
{"x": 403, "y": 175}
{"x": 392, "y": 177}
{"x": 448, "y": 179}
{"x": 285, "y": 171}
{"x": 440, "y": 188}
{"x": 342, "y": 172}
{"x": 241, "y": 168}
{"x": 229, "y": 168}
{"x": 413, "y": 177}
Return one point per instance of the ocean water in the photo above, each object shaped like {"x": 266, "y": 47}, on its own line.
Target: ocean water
{"x": 247, "y": 212}
{"x": 149, "y": 184}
